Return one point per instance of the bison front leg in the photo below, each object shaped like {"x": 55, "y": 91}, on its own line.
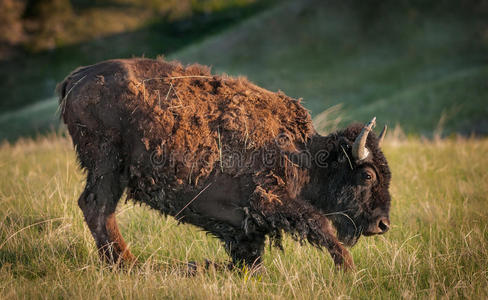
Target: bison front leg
{"x": 318, "y": 231}
{"x": 246, "y": 249}
{"x": 98, "y": 203}
{"x": 301, "y": 218}
{"x": 324, "y": 236}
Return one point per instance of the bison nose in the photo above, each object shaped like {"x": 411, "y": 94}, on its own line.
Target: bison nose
{"x": 380, "y": 226}
{"x": 383, "y": 225}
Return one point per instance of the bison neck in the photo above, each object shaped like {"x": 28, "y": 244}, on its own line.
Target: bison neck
{"x": 326, "y": 164}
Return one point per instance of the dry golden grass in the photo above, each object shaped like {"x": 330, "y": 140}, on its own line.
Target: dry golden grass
{"x": 436, "y": 248}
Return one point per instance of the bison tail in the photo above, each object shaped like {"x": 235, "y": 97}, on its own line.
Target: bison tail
{"x": 61, "y": 89}
{"x": 61, "y": 92}
{"x": 64, "y": 88}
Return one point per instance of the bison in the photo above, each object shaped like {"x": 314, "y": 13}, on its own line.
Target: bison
{"x": 223, "y": 154}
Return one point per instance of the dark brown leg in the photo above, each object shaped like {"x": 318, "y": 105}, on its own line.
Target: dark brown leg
{"x": 119, "y": 245}
{"x": 301, "y": 218}
{"x": 341, "y": 256}
{"x": 98, "y": 203}
{"x": 246, "y": 249}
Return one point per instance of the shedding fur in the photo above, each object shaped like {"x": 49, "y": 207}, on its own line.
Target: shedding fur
{"x": 217, "y": 152}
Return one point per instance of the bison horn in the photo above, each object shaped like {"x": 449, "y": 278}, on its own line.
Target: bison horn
{"x": 382, "y": 135}
{"x": 359, "y": 150}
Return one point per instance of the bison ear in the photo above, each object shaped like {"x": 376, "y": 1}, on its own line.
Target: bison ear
{"x": 359, "y": 150}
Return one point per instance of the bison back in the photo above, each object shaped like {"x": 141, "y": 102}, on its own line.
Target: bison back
{"x": 169, "y": 125}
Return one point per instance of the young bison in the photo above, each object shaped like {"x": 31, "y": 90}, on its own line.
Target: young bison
{"x": 220, "y": 153}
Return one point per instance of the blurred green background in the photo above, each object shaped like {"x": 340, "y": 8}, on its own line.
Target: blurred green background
{"x": 421, "y": 66}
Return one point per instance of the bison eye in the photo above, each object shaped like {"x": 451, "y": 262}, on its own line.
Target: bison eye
{"x": 369, "y": 176}
{"x": 366, "y": 177}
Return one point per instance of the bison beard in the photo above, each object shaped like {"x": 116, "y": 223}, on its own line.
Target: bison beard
{"x": 220, "y": 153}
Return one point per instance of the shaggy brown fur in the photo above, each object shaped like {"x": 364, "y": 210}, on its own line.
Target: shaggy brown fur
{"x": 214, "y": 151}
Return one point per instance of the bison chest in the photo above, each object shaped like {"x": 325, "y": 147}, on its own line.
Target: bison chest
{"x": 222, "y": 198}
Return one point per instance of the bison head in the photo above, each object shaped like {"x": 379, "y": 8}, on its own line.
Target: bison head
{"x": 353, "y": 185}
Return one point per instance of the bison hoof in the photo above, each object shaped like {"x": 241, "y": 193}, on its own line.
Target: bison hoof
{"x": 344, "y": 261}
{"x": 248, "y": 270}
{"x": 346, "y": 267}
{"x": 347, "y": 263}
{"x": 191, "y": 268}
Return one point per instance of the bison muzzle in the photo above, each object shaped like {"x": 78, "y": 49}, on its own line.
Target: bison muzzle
{"x": 221, "y": 153}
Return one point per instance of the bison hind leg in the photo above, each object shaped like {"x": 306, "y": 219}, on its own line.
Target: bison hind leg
{"x": 98, "y": 203}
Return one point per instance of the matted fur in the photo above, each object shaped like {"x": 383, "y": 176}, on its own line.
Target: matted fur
{"x": 185, "y": 112}
{"x": 168, "y": 133}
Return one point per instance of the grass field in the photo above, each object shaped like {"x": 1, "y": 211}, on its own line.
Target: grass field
{"x": 438, "y": 245}
{"x": 425, "y": 72}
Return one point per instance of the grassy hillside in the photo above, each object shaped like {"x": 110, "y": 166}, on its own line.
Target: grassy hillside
{"x": 35, "y": 119}
{"x": 424, "y": 70}
{"x": 92, "y": 31}
{"x": 406, "y": 66}
{"x": 437, "y": 246}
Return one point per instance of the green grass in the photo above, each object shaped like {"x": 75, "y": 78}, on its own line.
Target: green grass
{"x": 421, "y": 70}
{"x": 437, "y": 247}
{"x": 114, "y": 29}
{"x": 410, "y": 67}
{"x": 33, "y": 119}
